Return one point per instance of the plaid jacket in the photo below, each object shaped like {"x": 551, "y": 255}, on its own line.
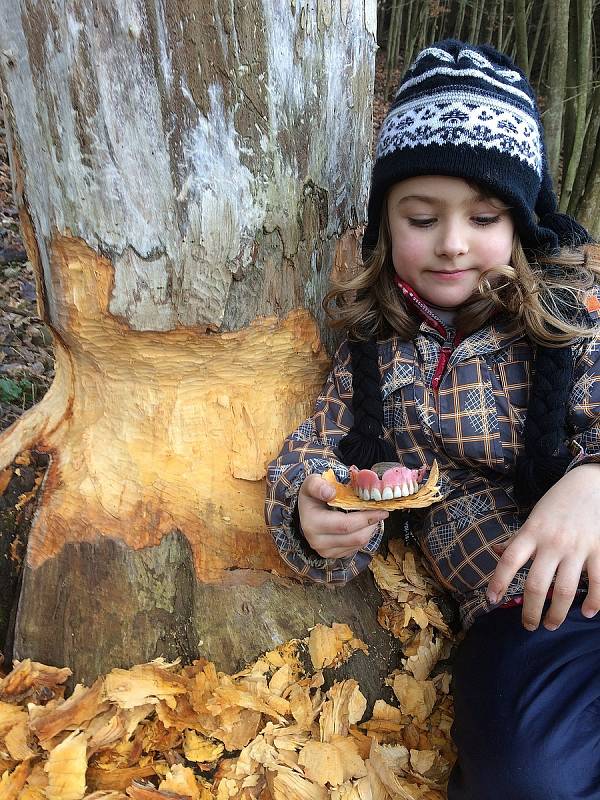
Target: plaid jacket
{"x": 471, "y": 420}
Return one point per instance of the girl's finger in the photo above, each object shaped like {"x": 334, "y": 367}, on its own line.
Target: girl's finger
{"x": 518, "y": 553}
{"x": 591, "y": 604}
{"x": 563, "y": 593}
{"x": 336, "y": 523}
{"x": 329, "y": 545}
{"x": 536, "y": 589}
{"x": 339, "y": 552}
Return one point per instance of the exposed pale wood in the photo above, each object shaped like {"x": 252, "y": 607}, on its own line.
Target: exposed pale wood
{"x": 168, "y": 431}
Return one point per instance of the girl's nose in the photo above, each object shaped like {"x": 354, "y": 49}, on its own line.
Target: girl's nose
{"x": 452, "y": 240}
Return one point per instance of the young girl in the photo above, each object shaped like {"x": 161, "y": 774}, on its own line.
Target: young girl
{"x": 472, "y": 339}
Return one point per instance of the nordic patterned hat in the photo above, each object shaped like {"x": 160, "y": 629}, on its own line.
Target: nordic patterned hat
{"x": 467, "y": 111}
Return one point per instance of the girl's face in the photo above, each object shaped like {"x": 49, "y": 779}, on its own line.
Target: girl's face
{"x": 445, "y": 235}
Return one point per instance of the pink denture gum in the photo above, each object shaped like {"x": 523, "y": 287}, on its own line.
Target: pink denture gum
{"x": 385, "y": 481}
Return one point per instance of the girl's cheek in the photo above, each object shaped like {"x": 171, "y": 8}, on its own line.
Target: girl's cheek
{"x": 407, "y": 249}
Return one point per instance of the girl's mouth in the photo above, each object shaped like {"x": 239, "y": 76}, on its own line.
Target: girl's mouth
{"x": 448, "y": 276}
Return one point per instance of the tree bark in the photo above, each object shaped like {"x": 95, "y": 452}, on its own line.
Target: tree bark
{"x": 186, "y": 181}
{"x": 581, "y": 91}
{"x": 521, "y": 35}
{"x": 559, "y": 18}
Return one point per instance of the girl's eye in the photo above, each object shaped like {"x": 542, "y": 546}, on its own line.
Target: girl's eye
{"x": 421, "y": 222}
{"x": 426, "y": 222}
{"x": 486, "y": 220}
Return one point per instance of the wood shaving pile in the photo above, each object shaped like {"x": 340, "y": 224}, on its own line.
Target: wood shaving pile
{"x": 159, "y": 730}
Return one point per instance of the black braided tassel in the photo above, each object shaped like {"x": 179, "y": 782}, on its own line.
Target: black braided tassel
{"x": 545, "y": 456}
{"x": 363, "y": 445}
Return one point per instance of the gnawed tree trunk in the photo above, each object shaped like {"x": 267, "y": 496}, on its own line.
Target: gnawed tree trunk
{"x": 186, "y": 180}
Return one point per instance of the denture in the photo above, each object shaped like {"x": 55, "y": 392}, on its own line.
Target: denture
{"x": 385, "y": 481}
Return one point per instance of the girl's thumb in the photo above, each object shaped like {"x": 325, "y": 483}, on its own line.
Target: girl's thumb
{"x": 327, "y": 492}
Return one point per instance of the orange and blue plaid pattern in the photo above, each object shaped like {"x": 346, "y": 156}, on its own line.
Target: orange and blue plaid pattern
{"x": 472, "y": 425}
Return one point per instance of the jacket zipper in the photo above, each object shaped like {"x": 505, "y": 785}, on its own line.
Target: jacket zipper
{"x": 448, "y": 347}
{"x": 445, "y": 354}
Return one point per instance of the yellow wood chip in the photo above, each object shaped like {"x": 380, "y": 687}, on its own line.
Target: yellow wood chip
{"x": 11, "y": 783}
{"x": 411, "y": 573}
{"x": 66, "y": 768}
{"x": 10, "y": 715}
{"x": 181, "y": 779}
{"x": 383, "y": 710}
{"x": 416, "y": 698}
{"x": 323, "y": 646}
{"x": 81, "y": 707}
{"x": 417, "y": 613}
{"x": 386, "y": 573}
{"x": 422, "y": 760}
{"x": 17, "y": 742}
{"x": 143, "y": 684}
{"x": 301, "y": 706}
{"x": 30, "y": 675}
{"x": 425, "y": 654}
{"x": 322, "y": 763}
{"x": 199, "y": 749}
{"x": 345, "y": 705}
{"x": 280, "y": 681}
{"x": 288, "y": 785}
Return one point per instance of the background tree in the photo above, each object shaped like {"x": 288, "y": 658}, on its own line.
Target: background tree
{"x": 554, "y": 43}
{"x": 186, "y": 180}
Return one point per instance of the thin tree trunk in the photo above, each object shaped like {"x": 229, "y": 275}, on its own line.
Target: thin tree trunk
{"x": 584, "y": 40}
{"x": 577, "y": 199}
{"x": 182, "y": 212}
{"x": 500, "y": 40}
{"x": 393, "y": 36}
{"x": 542, "y": 75}
{"x": 589, "y": 209}
{"x": 491, "y": 22}
{"x": 570, "y": 104}
{"x": 462, "y": 5}
{"x": 409, "y": 40}
{"x": 521, "y": 35}
{"x": 539, "y": 27}
{"x": 474, "y": 10}
{"x": 559, "y": 16}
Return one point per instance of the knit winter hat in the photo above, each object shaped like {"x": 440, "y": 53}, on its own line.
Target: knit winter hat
{"x": 467, "y": 111}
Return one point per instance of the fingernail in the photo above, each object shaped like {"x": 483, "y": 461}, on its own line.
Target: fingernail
{"x": 492, "y": 597}
{"x": 327, "y": 494}
{"x": 530, "y": 627}
{"x": 589, "y": 614}
{"x": 550, "y": 627}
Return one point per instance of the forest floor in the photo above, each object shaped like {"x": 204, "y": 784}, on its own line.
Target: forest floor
{"x": 26, "y": 355}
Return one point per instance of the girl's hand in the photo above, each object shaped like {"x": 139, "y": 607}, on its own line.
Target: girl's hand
{"x": 562, "y": 535}
{"x": 333, "y": 534}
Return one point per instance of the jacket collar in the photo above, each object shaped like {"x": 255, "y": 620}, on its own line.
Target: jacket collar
{"x": 420, "y": 306}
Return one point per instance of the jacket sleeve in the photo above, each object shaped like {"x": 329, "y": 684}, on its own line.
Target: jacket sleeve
{"x": 312, "y": 448}
{"x": 584, "y": 403}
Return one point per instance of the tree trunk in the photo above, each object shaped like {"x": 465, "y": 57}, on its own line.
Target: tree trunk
{"x": 186, "y": 179}
{"x": 559, "y": 34}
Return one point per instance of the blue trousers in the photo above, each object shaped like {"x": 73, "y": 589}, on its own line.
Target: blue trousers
{"x": 527, "y": 709}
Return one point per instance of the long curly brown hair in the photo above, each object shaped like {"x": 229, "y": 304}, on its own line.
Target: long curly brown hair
{"x": 545, "y": 299}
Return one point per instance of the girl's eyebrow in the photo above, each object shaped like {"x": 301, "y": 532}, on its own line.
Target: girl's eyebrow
{"x": 476, "y": 198}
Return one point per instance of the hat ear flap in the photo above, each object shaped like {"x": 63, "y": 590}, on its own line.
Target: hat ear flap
{"x": 546, "y": 202}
